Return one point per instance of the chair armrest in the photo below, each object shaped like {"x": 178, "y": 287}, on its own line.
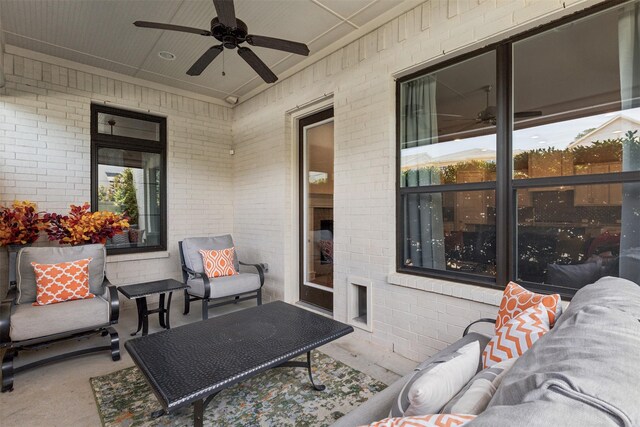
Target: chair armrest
{"x": 114, "y": 302}
{"x": 204, "y": 277}
{"x": 485, "y": 319}
{"x": 257, "y": 267}
{"x": 6, "y": 306}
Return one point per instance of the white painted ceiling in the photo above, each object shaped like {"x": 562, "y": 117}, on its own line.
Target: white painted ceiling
{"x": 101, "y": 33}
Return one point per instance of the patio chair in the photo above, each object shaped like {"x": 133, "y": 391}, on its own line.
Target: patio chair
{"x": 219, "y": 291}
{"x": 24, "y": 326}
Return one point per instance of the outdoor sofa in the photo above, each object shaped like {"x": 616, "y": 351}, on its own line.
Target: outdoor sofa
{"x": 584, "y": 372}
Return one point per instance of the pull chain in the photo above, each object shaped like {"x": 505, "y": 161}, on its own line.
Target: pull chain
{"x": 223, "y": 73}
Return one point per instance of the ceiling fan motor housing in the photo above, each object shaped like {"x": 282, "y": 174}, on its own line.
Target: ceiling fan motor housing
{"x": 229, "y": 37}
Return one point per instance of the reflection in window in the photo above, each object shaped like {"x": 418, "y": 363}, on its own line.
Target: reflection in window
{"x": 570, "y": 236}
{"x": 447, "y": 130}
{"x": 451, "y": 231}
{"x": 128, "y": 175}
{"x": 574, "y": 191}
{"x": 129, "y": 183}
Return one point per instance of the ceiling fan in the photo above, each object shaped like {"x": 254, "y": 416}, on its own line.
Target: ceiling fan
{"x": 489, "y": 113}
{"x": 232, "y": 32}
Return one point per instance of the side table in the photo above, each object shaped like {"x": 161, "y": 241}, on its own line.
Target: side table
{"x": 141, "y": 291}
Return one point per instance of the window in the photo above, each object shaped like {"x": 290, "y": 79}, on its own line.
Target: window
{"x": 522, "y": 161}
{"x": 128, "y": 175}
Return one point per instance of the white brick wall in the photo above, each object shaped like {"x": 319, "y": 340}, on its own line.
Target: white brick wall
{"x": 414, "y": 316}
{"x": 45, "y": 148}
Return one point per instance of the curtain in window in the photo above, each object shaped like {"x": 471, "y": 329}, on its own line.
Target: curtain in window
{"x": 424, "y": 234}
{"x": 629, "y": 54}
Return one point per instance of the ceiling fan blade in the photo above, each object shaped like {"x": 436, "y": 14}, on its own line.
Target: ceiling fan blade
{"x": 226, "y": 12}
{"x": 257, "y": 64}
{"x": 160, "y": 26}
{"x": 525, "y": 114}
{"x": 203, "y": 62}
{"x": 279, "y": 44}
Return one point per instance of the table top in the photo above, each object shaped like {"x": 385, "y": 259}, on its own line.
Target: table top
{"x": 191, "y": 362}
{"x": 149, "y": 288}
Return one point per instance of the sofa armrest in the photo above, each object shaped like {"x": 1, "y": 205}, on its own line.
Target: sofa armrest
{"x": 114, "y": 301}
{"x": 6, "y": 306}
{"x": 257, "y": 267}
{"x": 483, "y": 320}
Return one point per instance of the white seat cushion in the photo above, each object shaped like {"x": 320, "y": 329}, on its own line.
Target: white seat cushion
{"x": 28, "y": 321}
{"x": 226, "y": 286}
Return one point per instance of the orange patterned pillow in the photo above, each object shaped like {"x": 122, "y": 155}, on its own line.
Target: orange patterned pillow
{"x": 433, "y": 420}
{"x": 517, "y": 299}
{"x": 65, "y": 281}
{"x": 219, "y": 263}
{"x": 517, "y": 336}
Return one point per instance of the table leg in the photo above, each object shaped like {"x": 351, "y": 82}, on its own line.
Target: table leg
{"x": 318, "y": 387}
{"x": 198, "y": 413}
{"x": 161, "y": 312}
{"x": 139, "y": 307}
{"x": 145, "y": 315}
{"x": 166, "y": 313}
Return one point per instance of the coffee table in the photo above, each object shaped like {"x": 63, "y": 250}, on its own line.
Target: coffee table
{"x": 141, "y": 291}
{"x": 193, "y": 363}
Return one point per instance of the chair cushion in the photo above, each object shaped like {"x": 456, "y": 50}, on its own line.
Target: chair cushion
{"x": 226, "y": 286}
{"x": 65, "y": 281}
{"x": 26, "y": 277}
{"x": 28, "y": 321}
{"x": 219, "y": 263}
{"x": 192, "y": 246}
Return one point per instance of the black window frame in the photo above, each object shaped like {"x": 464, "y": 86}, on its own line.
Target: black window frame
{"x": 505, "y": 186}
{"x": 101, "y": 140}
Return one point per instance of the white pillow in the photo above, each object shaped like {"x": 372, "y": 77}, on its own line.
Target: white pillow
{"x": 435, "y": 388}
{"x": 474, "y": 398}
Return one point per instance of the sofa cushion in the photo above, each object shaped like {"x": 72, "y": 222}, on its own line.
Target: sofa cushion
{"x": 588, "y": 363}
{"x": 431, "y": 420}
{"x": 573, "y": 276}
{"x": 225, "y": 286}
{"x": 26, "y": 277}
{"x": 516, "y": 299}
{"x": 475, "y": 396}
{"x": 192, "y": 246}
{"x": 517, "y": 336}
{"x": 434, "y": 385}
{"x": 29, "y": 322}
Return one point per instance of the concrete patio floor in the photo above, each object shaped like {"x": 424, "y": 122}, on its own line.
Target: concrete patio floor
{"x": 60, "y": 394}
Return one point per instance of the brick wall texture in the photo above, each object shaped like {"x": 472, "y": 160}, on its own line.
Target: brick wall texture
{"x": 45, "y": 144}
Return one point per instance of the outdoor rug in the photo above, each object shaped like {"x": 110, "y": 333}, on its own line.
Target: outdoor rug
{"x": 277, "y": 397}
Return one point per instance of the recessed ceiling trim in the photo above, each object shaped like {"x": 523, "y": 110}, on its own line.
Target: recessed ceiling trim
{"x": 336, "y": 14}
{"x": 31, "y": 54}
{"x": 380, "y": 20}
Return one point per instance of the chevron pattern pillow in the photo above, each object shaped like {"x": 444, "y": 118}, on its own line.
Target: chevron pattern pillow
{"x": 517, "y": 335}
{"x": 434, "y": 420}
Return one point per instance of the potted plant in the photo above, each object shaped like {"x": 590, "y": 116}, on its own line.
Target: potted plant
{"x": 20, "y": 225}
{"x": 82, "y": 226}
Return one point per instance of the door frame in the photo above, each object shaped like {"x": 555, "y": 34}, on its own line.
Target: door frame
{"x": 317, "y": 118}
